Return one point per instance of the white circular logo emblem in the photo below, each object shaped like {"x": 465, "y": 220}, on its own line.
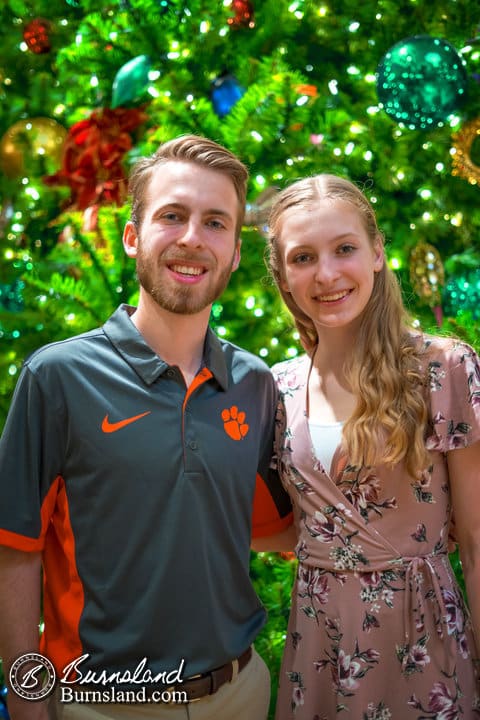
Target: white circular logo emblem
{"x": 32, "y": 676}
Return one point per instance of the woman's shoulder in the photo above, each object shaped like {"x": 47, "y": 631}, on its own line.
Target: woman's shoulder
{"x": 448, "y": 365}
{"x": 292, "y": 371}
{"x": 446, "y": 350}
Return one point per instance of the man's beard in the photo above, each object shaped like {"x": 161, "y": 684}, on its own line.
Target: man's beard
{"x": 183, "y": 300}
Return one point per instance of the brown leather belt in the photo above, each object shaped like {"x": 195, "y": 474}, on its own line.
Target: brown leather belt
{"x": 198, "y": 686}
{"x": 195, "y": 687}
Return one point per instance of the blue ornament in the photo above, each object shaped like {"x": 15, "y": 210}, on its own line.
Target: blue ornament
{"x": 225, "y": 92}
{"x": 3, "y": 699}
{"x": 131, "y": 81}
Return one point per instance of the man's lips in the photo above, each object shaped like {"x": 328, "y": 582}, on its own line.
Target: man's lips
{"x": 190, "y": 270}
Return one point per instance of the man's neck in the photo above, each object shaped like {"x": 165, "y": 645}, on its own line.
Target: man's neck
{"x": 177, "y": 339}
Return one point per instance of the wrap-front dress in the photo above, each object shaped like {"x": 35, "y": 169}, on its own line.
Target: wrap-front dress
{"x": 378, "y": 628}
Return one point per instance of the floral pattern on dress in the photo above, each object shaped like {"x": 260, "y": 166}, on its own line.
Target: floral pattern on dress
{"x": 362, "y": 487}
{"x": 346, "y": 669}
{"x": 378, "y": 628}
{"x": 443, "y": 704}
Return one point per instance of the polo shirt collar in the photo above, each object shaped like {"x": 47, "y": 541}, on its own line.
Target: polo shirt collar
{"x": 131, "y": 345}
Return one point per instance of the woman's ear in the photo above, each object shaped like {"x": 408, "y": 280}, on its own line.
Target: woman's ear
{"x": 130, "y": 239}
{"x": 379, "y": 256}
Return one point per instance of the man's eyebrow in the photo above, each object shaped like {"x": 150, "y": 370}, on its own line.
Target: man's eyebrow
{"x": 215, "y": 211}
{"x": 181, "y": 206}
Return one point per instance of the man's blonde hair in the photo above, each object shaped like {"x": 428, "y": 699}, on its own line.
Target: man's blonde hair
{"x": 190, "y": 149}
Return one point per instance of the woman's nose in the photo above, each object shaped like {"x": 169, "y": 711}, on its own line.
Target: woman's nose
{"x": 326, "y": 270}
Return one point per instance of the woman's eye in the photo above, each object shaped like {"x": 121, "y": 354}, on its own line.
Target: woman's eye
{"x": 301, "y": 258}
{"x": 346, "y": 249}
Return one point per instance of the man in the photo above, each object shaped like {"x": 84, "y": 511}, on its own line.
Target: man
{"x": 129, "y": 463}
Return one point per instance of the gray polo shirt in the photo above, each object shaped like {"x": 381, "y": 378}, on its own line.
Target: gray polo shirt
{"x": 139, "y": 493}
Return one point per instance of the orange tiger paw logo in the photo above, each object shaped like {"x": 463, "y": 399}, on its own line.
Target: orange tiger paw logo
{"x": 234, "y": 423}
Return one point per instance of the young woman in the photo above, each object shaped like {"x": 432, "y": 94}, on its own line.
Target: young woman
{"x": 378, "y": 446}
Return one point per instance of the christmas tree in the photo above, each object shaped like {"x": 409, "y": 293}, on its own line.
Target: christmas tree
{"x": 386, "y": 93}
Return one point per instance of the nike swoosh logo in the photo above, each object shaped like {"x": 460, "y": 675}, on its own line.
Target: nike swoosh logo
{"x": 109, "y": 427}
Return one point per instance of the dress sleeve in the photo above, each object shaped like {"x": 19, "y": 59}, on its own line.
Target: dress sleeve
{"x": 454, "y": 375}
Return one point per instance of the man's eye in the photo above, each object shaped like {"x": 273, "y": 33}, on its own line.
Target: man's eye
{"x": 217, "y": 224}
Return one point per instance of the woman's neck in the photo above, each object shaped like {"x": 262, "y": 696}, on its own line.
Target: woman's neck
{"x": 335, "y": 346}
{"x": 330, "y": 398}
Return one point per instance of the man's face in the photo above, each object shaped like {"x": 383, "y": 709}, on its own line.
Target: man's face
{"x": 186, "y": 248}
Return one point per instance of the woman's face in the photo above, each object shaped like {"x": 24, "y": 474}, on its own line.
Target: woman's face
{"x": 328, "y": 262}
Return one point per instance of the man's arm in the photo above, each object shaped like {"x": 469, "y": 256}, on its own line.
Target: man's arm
{"x": 279, "y": 542}
{"x": 19, "y": 621}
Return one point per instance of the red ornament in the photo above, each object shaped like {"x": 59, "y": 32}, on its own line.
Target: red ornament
{"x": 93, "y": 156}
{"x": 36, "y": 35}
{"x": 243, "y": 14}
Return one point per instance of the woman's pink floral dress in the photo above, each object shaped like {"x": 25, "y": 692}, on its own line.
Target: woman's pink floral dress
{"x": 378, "y": 627}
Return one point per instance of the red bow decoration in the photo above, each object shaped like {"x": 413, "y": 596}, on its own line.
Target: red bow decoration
{"x": 92, "y": 158}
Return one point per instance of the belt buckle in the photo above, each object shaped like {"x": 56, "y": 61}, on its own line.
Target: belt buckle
{"x": 191, "y": 677}
{"x": 194, "y": 677}
{"x": 235, "y": 669}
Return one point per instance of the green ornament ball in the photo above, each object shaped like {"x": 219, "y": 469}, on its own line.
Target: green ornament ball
{"x": 462, "y": 293}
{"x": 131, "y": 81}
{"x": 421, "y": 81}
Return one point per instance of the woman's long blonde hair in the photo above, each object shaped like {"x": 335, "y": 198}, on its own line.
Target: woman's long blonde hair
{"x": 385, "y": 369}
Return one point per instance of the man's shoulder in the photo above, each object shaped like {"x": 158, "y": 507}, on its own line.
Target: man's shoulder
{"x": 62, "y": 351}
{"x": 237, "y": 355}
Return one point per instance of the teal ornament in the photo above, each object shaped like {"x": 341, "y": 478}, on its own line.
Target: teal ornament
{"x": 11, "y": 299}
{"x": 131, "y": 81}
{"x": 164, "y": 6}
{"x": 462, "y": 293}
{"x": 421, "y": 81}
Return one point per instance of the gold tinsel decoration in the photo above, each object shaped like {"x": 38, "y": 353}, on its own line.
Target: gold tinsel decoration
{"x": 426, "y": 273}
{"x": 462, "y": 163}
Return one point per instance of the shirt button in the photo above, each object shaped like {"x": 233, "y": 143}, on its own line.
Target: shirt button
{"x": 192, "y": 445}
{"x": 170, "y": 373}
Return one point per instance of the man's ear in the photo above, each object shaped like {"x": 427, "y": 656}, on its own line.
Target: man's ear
{"x": 237, "y": 255}
{"x": 130, "y": 239}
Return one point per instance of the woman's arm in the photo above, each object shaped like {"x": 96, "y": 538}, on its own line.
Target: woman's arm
{"x": 464, "y": 471}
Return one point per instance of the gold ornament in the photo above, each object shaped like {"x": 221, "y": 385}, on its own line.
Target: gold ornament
{"x": 30, "y": 139}
{"x": 462, "y": 163}
{"x": 426, "y": 273}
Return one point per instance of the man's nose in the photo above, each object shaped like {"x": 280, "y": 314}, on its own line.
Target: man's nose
{"x": 192, "y": 235}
